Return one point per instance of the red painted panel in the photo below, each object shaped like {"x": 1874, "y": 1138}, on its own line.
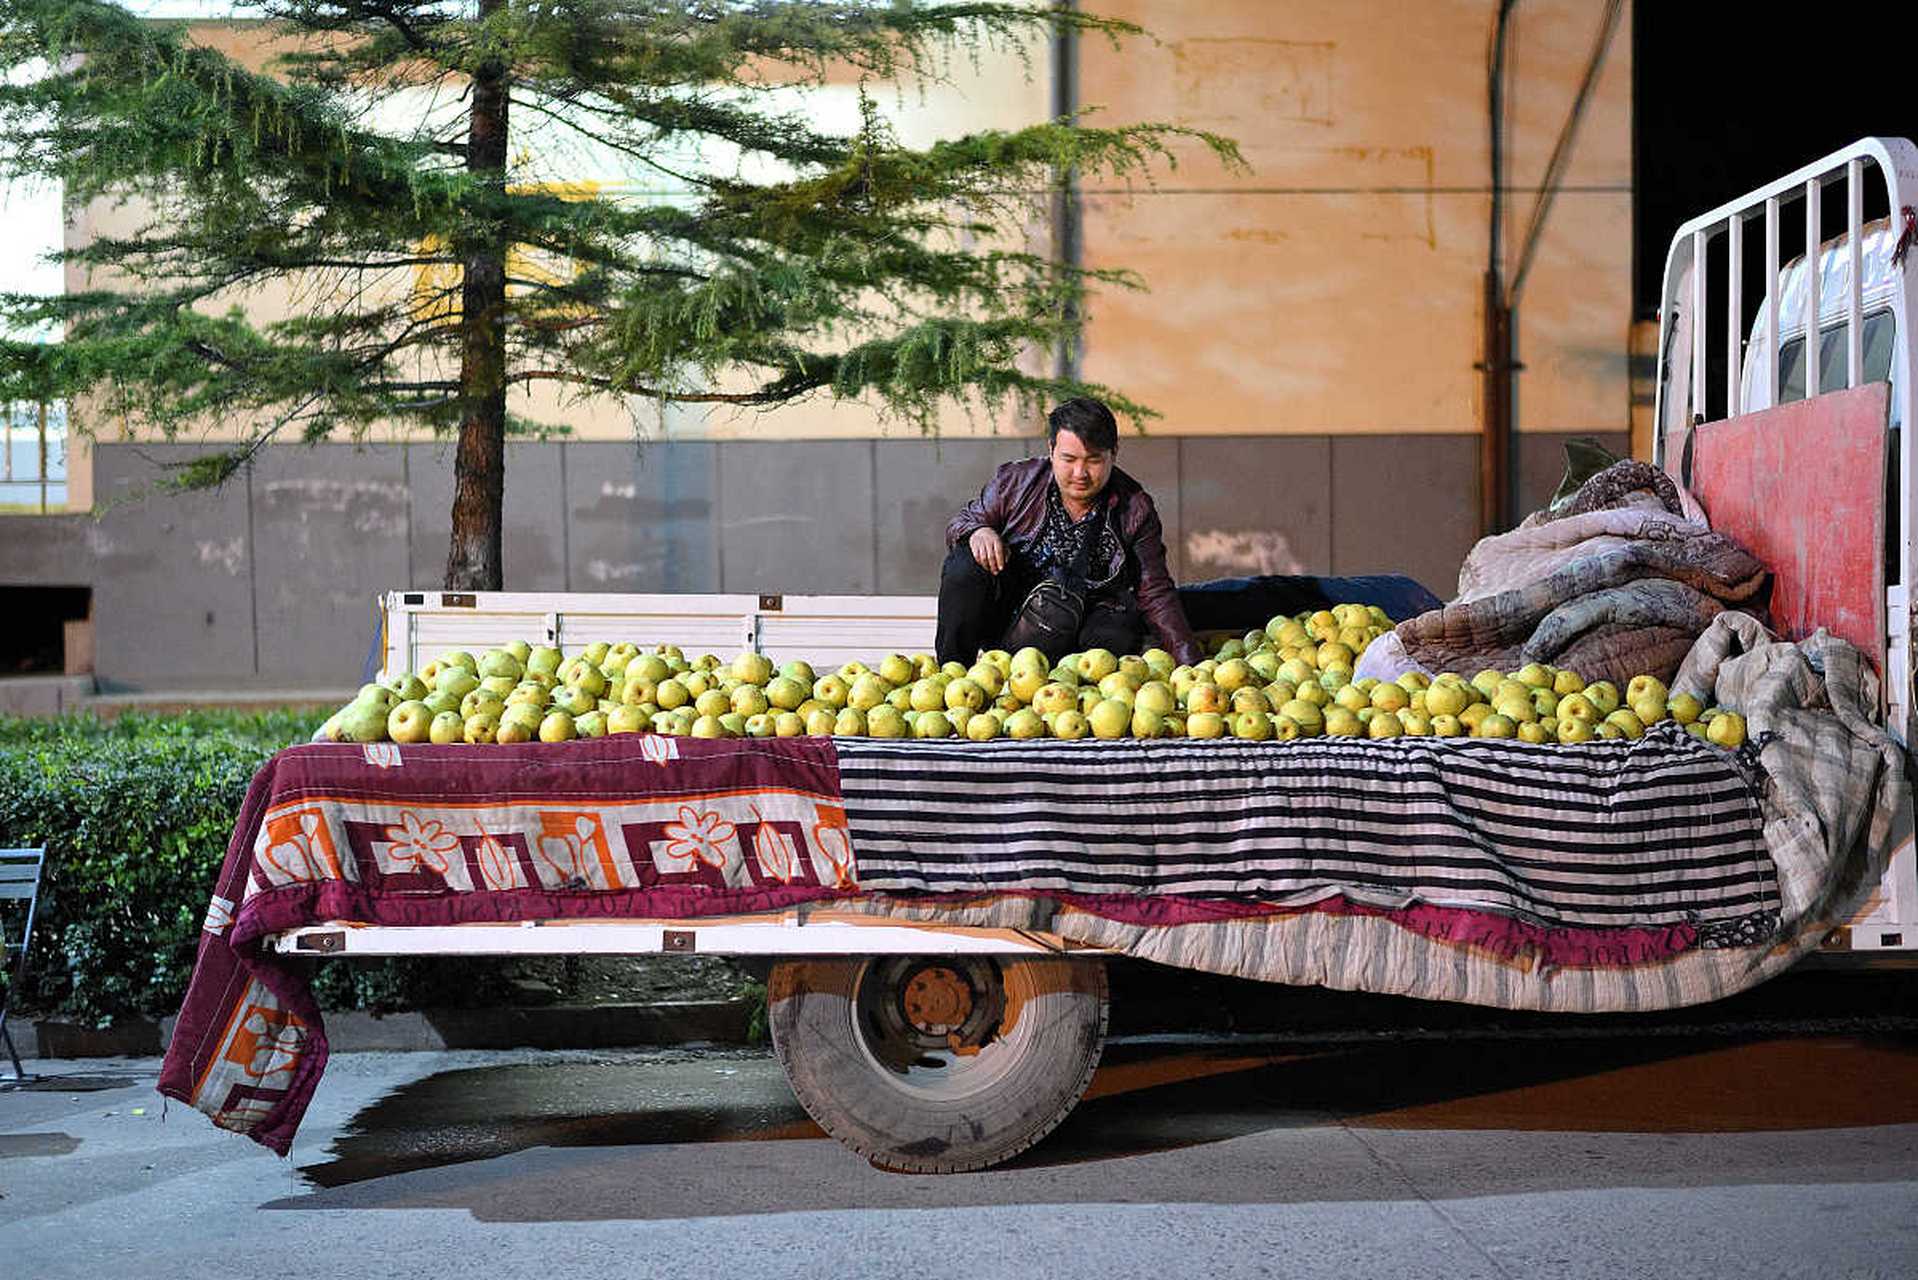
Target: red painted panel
{"x": 1802, "y": 486}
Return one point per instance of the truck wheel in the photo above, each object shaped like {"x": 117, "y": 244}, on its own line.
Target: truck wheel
{"x": 938, "y": 1064}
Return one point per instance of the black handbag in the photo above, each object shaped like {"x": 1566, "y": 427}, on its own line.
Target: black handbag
{"x": 1048, "y": 619}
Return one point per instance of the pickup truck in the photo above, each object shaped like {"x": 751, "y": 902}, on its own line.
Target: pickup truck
{"x": 943, "y": 1031}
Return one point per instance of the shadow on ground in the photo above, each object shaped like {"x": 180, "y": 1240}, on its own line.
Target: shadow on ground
{"x": 576, "y": 1141}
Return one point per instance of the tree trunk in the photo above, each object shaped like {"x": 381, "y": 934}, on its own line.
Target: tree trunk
{"x": 474, "y": 561}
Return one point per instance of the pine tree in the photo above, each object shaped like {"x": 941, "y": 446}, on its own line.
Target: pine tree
{"x": 861, "y": 268}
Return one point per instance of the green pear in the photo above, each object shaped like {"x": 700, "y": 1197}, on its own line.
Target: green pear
{"x": 378, "y": 693}
{"x": 482, "y": 727}
{"x": 752, "y": 668}
{"x": 407, "y": 687}
{"x": 457, "y": 681}
{"x": 361, "y": 721}
{"x": 459, "y": 658}
{"x": 498, "y": 662}
{"x": 885, "y": 720}
{"x": 868, "y": 691}
{"x": 787, "y": 692}
{"x": 831, "y": 691}
{"x": 481, "y": 700}
{"x": 447, "y": 727}
{"x": 410, "y": 722}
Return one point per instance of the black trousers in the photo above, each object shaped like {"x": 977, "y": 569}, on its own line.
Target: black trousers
{"x": 976, "y": 607}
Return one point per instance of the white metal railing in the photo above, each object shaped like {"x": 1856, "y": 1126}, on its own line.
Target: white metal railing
{"x": 1685, "y": 318}
{"x": 1896, "y": 162}
{"x": 33, "y": 457}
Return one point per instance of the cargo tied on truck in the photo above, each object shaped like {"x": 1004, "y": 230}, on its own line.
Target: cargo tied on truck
{"x": 1650, "y": 754}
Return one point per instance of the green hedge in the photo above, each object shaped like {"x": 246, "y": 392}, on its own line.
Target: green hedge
{"x": 135, "y": 814}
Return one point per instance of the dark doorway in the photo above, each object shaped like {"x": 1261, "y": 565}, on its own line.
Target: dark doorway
{"x": 34, "y": 640}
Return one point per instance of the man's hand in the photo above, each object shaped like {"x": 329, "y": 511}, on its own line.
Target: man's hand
{"x": 989, "y": 549}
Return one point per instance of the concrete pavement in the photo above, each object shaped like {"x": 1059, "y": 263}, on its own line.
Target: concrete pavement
{"x": 1494, "y": 1157}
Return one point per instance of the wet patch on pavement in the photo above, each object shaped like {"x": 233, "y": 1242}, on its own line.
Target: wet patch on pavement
{"x": 13, "y": 1145}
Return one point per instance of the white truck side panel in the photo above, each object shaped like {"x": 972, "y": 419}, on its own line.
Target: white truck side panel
{"x": 824, "y": 630}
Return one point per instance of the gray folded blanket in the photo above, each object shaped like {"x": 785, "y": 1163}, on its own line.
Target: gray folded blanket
{"x": 1632, "y": 608}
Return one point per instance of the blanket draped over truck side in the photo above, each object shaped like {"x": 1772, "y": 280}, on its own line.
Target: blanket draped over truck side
{"x": 1595, "y": 877}
{"x": 1617, "y": 583}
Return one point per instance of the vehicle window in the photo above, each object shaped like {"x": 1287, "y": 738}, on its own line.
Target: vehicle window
{"x": 1831, "y": 357}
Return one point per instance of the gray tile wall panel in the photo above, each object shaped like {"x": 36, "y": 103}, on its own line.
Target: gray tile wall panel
{"x": 533, "y": 537}
{"x": 1154, "y": 463}
{"x": 330, "y": 532}
{"x": 49, "y": 550}
{"x": 1405, "y": 504}
{"x": 642, "y": 516}
{"x": 175, "y": 575}
{"x": 921, "y": 485}
{"x": 1251, "y": 505}
{"x": 171, "y": 572}
{"x": 797, "y": 517}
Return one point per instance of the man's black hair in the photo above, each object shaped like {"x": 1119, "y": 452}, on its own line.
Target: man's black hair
{"x": 1086, "y": 418}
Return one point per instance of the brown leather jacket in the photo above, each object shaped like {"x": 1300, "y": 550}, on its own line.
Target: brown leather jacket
{"x": 1014, "y": 504}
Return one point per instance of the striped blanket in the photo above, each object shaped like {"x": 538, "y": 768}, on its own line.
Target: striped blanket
{"x": 1664, "y": 832}
{"x": 1573, "y": 878}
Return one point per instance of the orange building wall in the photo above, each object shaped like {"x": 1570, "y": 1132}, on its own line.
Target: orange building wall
{"x": 1335, "y": 287}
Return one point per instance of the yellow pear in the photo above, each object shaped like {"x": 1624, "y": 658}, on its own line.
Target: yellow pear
{"x": 1070, "y": 725}
{"x": 1111, "y": 718}
{"x": 1204, "y": 724}
{"x": 1727, "y": 729}
{"x": 1495, "y": 726}
{"x": 1025, "y": 724}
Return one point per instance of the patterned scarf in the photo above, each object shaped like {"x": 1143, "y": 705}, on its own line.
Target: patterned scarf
{"x": 1063, "y": 542}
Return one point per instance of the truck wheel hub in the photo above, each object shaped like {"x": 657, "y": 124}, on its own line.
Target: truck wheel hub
{"x": 936, "y": 1000}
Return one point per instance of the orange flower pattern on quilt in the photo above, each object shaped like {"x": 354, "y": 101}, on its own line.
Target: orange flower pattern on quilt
{"x": 700, "y": 837}
{"x": 648, "y": 828}
{"x": 296, "y": 846}
{"x": 427, "y": 843}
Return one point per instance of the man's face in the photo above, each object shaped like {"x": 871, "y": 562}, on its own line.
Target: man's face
{"x": 1079, "y": 470}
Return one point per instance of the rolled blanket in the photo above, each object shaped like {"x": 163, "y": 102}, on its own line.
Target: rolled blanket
{"x": 1496, "y": 630}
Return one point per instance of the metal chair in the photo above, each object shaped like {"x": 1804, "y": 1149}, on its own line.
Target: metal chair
{"x": 19, "y": 882}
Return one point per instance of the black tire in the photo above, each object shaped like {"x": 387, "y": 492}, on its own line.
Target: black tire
{"x": 878, "y": 1072}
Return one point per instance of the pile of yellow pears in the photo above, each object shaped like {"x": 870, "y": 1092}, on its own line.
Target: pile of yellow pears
{"x": 1293, "y": 679}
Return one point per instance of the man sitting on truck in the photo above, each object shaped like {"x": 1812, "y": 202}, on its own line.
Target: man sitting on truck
{"x": 1064, "y": 553}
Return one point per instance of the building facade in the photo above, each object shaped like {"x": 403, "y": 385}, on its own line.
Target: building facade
{"x": 1310, "y": 335}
